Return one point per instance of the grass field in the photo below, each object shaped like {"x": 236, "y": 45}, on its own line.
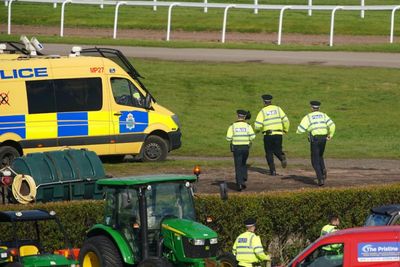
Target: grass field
{"x": 361, "y": 101}
{"x": 350, "y": 23}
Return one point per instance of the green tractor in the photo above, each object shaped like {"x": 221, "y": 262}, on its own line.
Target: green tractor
{"x": 150, "y": 221}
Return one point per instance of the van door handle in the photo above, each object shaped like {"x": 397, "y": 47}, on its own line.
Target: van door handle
{"x": 117, "y": 114}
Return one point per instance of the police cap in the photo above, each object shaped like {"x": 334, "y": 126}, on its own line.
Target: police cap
{"x": 266, "y": 97}
{"x": 315, "y": 104}
{"x": 241, "y": 112}
{"x": 250, "y": 222}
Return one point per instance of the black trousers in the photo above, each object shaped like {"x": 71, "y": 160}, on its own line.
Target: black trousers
{"x": 317, "y": 147}
{"x": 240, "y": 155}
{"x": 273, "y": 146}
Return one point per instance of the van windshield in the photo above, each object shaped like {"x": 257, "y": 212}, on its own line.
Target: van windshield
{"x": 376, "y": 219}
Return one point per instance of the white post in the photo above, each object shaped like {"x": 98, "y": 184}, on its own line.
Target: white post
{"x": 224, "y": 22}
{"x": 205, "y": 6}
{"x": 169, "y": 18}
{"x": 9, "y": 17}
{"x": 55, "y": 5}
{"x": 116, "y": 18}
{"x": 5, "y": 2}
{"x": 281, "y": 22}
{"x": 255, "y": 6}
{"x": 155, "y": 6}
{"x": 310, "y": 7}
{"x": 62, "y": 16}
{"x": 392, "y": 23}
{"x": 333, "y": 24}
{"x": 102, "y": 4}
{"x": 362, "y": 10}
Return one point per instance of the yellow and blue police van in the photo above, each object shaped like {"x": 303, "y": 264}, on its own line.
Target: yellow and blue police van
{"x": 92, "y": 99}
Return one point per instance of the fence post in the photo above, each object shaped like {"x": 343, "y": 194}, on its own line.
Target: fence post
{"x": 116, "y": 18}
{"x": 310, "y": 7}
{"x": 205, "y": 6}
{"x": 392, "y": 23}
{"x": 5, "y": 2}
{"x": 9, "y": 17}
{"x": 55, "y": 4}
{"x": 333, "y": 24}
{"x": 281, "y": 22}
{"x": 62, "y": 16}
{"x": 255, "y": 6}
{"x": 155, "y": 6}
{"x": 362, "y": 10}
{"x": 224, "y": 22}
{"x": 169, "y": 18}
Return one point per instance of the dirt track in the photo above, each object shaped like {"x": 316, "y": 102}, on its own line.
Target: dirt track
{"x": 298, "y": 175}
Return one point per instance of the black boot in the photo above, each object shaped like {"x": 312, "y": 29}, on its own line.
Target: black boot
{"x": 324, "y": 174}
{"x": 284, "y": 161}
{"x": 272, "y": 172}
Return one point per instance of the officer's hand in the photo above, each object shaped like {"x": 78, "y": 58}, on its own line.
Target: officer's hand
{"x": 328, "y": 137}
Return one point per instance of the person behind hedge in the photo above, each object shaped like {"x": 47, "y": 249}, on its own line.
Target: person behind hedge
{"x": 331, "y": 227}
{"x": 240, "y": 134}
{"x": 248, "y": 248}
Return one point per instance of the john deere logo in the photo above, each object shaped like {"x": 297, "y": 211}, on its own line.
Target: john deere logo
{"x": 130, "y": 122}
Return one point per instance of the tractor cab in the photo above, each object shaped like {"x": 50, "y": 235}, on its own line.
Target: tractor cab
{"x": 150, "y": 221}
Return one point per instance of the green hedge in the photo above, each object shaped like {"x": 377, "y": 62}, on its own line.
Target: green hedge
{"x": 287, "y": 221}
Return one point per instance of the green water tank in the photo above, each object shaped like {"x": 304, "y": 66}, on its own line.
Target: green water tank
{"x": 68, "y": 174}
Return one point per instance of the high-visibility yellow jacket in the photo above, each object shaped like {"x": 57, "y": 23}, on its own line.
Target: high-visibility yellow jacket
{"x": 329, "y": 228}
{"x": 248, "y": 249}
{"x": 240, "y": 133}
{"x": 317, "y": 123}
{"x": 272, "y": 118}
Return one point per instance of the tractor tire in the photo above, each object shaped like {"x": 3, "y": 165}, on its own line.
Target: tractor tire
{"x": 227, "y": 260}
{"x": 155, "y": 262}
{"x": 99, "y": 251}
{"x": 7, "y": 155}
{"x": 154, "y": 149}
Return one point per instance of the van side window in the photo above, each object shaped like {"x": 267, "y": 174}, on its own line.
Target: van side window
{"x": 327, "y": 256}
{"x": 125, "y": 93}
{"x": 64, "y": 95}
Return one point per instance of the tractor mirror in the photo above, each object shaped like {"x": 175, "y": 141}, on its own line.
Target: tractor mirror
{"x": 223, "y": 190}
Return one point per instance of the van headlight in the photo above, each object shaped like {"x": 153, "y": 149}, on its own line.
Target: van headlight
{"x": 176, "y": 120}
{"x": 213, "y": 241}
{"x": 197, "y": 242}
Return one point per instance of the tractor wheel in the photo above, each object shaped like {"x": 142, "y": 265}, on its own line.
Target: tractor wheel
{"x": 99, "y": 251}
{"x": 227, "y": 260}
{"x": 155, "y": 262}
{"x": 7, "y": 155}
{"x": 155, "y": 149}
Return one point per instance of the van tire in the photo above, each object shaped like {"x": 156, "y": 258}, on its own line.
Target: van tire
{"x": 100, "y": 251}
{"x": 154, "y": 149}
{"x": 7, "y": 155}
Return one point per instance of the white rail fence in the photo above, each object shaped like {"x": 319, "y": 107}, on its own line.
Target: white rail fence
{"x": 205, "y": 5}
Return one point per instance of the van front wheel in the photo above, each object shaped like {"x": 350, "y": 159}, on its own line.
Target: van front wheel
{"x": 7, "y": 155}
{"x": 155, "y": 149}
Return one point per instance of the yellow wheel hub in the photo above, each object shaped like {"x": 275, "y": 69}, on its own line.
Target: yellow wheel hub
{"x": 91, "y": 260}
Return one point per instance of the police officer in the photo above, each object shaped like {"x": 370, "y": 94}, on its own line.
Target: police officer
{"x": 320, "y": 129}
{"x": 240, "y": 134}
{"x": 273, "y": 123}
{"x": 248, "y": 248}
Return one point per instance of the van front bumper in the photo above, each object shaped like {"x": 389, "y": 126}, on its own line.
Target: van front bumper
{"x": 175, "y": 140}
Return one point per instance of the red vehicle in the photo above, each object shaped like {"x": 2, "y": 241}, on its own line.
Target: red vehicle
{"x": 366, "y": 246}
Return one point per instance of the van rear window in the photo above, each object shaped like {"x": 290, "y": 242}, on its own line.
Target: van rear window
{"x": 64, "y": 95}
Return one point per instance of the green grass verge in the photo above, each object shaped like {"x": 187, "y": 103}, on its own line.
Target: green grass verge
{"x": 361, "y": 101}
{"x": 347, "y": 22}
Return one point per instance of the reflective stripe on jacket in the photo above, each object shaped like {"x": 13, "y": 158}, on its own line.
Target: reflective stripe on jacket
{"x": 240, "y": 133}
{"x": 272, "y": 118}
{"x": 317, "y": 123}
{"x": 248, "y": 249}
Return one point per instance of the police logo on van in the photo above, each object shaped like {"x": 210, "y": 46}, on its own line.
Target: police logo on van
{"x": 130, "y": 121}
{"x": 23, "y": 73}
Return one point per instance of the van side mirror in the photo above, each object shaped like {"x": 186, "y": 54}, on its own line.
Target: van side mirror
{"x": 147, "y": 101}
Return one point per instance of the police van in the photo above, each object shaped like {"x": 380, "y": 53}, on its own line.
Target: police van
{"x": 92, "y": 98}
